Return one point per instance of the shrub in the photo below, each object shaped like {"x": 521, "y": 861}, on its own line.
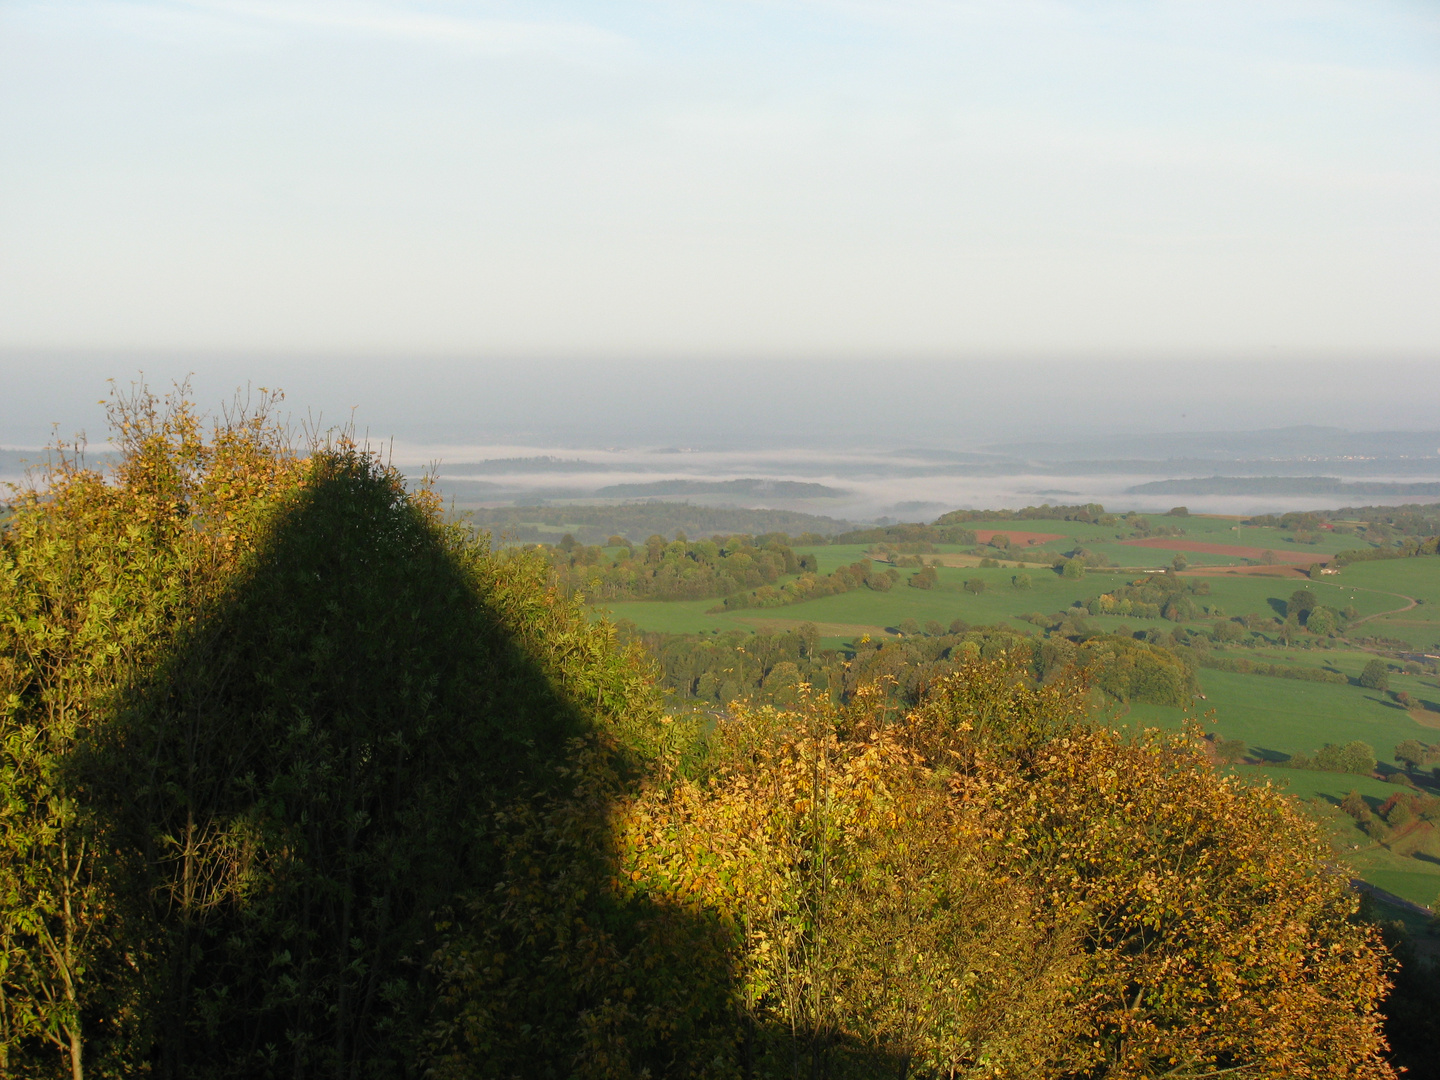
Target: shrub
{"x": 923, "y": 579}
{"x": 1355, "y": 805}
{"x": 1230, "y": 751}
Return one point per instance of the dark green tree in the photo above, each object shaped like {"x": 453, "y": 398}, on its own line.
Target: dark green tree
{"x": 1412, "y": 754}
{"x": 1375, "y": 676}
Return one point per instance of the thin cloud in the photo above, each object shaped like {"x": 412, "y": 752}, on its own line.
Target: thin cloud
{"x": 401, "y": 23}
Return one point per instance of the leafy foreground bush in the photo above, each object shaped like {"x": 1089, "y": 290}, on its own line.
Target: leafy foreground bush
{"x": 255, "y": 706}
{"x": 985, "y": 886}
{"x": 298, "y": 780}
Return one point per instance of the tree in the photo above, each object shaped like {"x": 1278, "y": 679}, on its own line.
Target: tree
{"x": 251, "y": 702}
{"x": 1020, "y": 581}
{"x": 924, "y": 578}
{"x": 1290, "y": 629}
{"x": 1322, "y": 622}
{"x": 1358, "y": 758}
{"x": 1073, "y": 569}
{"x": 1178, "y": 511}
{"x": 1375, "y": 676}
{"x": 1179, "y": 562}
{"x": 1355, "y": 805}
{"x": 975, "y": 585}
{"x": 1301, "y": 602}
{"x": 809, "y": 637}
{"x": 1412, "y": 754}
{"x": 1227, "y": 630}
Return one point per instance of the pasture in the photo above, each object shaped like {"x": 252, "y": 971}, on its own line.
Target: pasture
{"x": 1274, "y": 717}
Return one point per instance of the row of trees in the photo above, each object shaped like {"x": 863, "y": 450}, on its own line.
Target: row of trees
{"x": 1154, "y": 596}
{"x": 675, "y": 570}
{"x": 1086, "y": 513}
{"x": 861, "y": 574}
{"x": 723, "y": 668}
{"x": 1354, "y": 757}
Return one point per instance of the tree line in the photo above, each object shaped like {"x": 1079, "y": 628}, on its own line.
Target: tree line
{"x": 680, "y": 569}
{"x": 721, "y": 668}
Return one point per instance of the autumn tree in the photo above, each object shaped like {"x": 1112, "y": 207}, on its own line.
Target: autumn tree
{"x": 251, "y": 699}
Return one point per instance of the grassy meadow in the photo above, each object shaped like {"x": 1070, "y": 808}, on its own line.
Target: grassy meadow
{"x": 1274, "y": 717}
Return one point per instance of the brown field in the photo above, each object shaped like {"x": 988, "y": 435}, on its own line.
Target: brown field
{"x": 1020, "y": 539}
{"x": 1425, "y": 718}
{"x": 1166, "y": 543}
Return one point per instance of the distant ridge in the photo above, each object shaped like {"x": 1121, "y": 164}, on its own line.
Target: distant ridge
{"x": 1280, "y": 485}
{"x": 1305, "y": 441}
{"x": 636, "y": 521}
{"x": 748, "y": 488}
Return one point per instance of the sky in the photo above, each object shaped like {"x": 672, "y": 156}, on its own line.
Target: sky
{"x": 952, "y": 182}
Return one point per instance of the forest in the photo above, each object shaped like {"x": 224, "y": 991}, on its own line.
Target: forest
{"x": 302, "y": 776}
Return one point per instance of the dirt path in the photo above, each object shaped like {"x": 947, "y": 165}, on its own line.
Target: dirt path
{"x": 1410, "y": 603}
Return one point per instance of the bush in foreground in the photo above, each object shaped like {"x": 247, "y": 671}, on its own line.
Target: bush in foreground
{"x": 255, "y": 704}
{"x": 987, "y": 885}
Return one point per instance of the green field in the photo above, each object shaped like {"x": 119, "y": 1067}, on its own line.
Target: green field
{"x": 1281, "y": 717}
{"x": 1275, "y": 717}
{"x": 1048, "y": 592}
{"x": 1417, "y": 578}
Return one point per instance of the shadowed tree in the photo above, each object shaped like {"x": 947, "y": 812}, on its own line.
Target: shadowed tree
{"x": 273, "y": 703}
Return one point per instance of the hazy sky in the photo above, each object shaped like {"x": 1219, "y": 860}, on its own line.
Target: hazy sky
{"x": 1241, "y": 178}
